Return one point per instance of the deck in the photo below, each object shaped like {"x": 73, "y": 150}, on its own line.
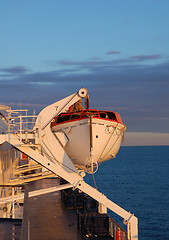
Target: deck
{"x": 45, "y": 218}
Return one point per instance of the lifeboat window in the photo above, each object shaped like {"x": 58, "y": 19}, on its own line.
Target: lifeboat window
{"x": 95, "y": 114}
{"x": 87, "y": 113}
{"x": 103, "y": 115}
{"x": 75, "y": 116}
{"x": 63, "y": 118}
{"x": 111, "y": 115}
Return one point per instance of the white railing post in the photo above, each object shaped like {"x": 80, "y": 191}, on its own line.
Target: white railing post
{"x": 20, "y": 130}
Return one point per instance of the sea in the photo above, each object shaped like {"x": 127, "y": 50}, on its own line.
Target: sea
{"x": 138, "y": 181}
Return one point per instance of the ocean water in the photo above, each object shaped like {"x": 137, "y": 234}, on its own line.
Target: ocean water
{"x": 138, "y": 181}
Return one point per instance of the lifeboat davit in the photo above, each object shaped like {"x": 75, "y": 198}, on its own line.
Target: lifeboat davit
{"x": 93, "y": 136}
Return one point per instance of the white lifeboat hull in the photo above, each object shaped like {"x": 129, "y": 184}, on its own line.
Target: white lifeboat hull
{"x": 106, "y": 138}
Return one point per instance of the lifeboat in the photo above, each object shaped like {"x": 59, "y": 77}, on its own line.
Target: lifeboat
{"x": 93, "y": 136}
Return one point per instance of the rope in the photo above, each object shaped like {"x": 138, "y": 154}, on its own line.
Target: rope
{"x": 111, "y": 134}
{"x": 115, "y": 141}
{"x": 109, "y": 141}
{"x": 94, "y": 181}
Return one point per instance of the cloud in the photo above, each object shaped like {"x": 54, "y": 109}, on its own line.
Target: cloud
{"x": 15, "y": 70}
{"x": 139, "y": 92}
{"x": 146, "y": 57}
{"x": 97, "y": 64}
{"x": 113, "y": 52}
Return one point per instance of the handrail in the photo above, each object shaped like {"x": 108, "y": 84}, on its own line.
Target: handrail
{"x": 116, "y": 230}
{"x": 10, "y": 185}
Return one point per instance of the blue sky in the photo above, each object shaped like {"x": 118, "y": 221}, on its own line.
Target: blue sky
{"x": 118, "y": 50}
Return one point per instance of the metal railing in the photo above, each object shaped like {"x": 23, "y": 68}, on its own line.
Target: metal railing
{"x": 12, "y": 209}
{"x": 116, "y": 231}
{"x": 18, "y": 120}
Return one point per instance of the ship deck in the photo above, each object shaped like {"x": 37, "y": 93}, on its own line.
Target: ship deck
{"x": 49, "y": 219}
{"x": 44, "y": 217}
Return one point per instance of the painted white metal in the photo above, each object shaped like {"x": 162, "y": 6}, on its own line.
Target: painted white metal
{"x": 50, "y": 146}
{"x": 18, "y": 197}
{"x": 106, "y": 140}
{"x": 102, "y": 209}
{"x": 51, "y": 154}
{"x": 51, "y": 111}
{"x": 4, "y": 107}
{"x": 77, "y": 181}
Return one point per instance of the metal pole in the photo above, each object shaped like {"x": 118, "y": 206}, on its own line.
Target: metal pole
{"x": 9, "y": 114}
{"x": 13, "y": 203}
{"x": 25, "y": 231}
{"x": 20, "y": 128}
{"x": 91, "y": 143}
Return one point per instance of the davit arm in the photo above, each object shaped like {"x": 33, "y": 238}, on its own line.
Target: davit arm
{"x": 52, "y": 145}
{"x": 51, "y": 111}
{"x": 56, "y": 160}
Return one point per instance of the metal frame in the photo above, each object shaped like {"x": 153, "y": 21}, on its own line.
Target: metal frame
{"x": 51, "y": 155}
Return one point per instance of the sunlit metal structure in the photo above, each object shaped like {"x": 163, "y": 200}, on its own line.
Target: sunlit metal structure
{"x": 47, "y": 147}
